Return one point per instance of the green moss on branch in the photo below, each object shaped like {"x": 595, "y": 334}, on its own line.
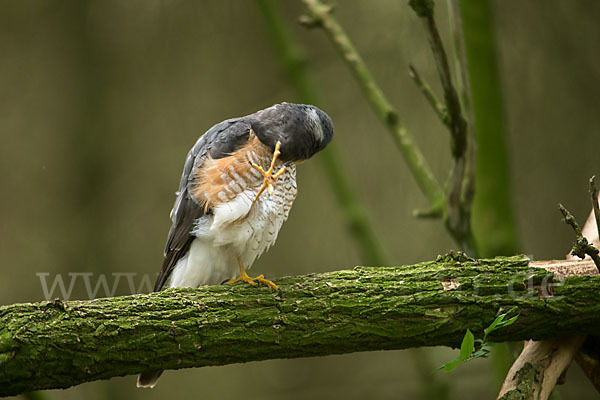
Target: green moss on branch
{"x": 60, "y": 344}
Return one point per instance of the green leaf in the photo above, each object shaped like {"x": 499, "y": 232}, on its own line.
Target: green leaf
{"x": 480, "y": 353}
{"x": 466, "y": 348}
{"x": 449, "y": 366}
{"x": 497, "y": 324}
{"x": 493, "y": 325}
{"x": 508, "y": 321}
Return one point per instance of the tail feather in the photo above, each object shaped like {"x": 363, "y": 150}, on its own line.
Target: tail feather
{"x": 148, "y": 379}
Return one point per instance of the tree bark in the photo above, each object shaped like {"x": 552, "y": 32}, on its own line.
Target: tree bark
{"x": 538, "y": 368}
{"x": 59, "y": 344}
{"x": 542, "y": 364}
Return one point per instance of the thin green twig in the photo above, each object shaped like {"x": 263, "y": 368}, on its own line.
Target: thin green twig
{"x": 459, "y": 56}
{"x": 581, "y": 247}
{"x": 458, "y": 124}
{"x": 437, "y": 105}
{"x": 293, "y": 63}
{"x": 460, "y": 186}
{"x": 320, "y": 15}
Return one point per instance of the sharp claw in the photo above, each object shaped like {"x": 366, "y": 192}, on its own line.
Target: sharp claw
{"x": 269, "y": 176}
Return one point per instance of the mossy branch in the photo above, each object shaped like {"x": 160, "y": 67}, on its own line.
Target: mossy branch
{"x": 59, "y": 344}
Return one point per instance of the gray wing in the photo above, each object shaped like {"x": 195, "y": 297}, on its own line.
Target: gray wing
{"x": 219, "y": 141}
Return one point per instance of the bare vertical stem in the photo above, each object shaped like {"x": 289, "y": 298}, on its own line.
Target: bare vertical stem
{"x": 493, "y": 216}
{"x": 458, "y": 125}
{"x": 463, "y": 83}
{"x": 460, "y": 187}
{"x": 437, "y": 105}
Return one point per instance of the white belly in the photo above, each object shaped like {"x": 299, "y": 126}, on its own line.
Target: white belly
{"x": 235, "y": 228}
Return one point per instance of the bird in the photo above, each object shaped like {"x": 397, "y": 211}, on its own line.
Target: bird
{"x": 236, "y": 190}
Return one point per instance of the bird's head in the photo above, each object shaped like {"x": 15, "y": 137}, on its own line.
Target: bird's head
{"x": 302, "y": 129}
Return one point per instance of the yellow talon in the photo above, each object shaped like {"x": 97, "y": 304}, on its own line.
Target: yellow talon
{"x": 244, "y": 277}
{"x": 269, "y": 176}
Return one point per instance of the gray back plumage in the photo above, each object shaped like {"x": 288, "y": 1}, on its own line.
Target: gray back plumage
{"x": 302, "y": 129}
{"x": 218, "y": 142}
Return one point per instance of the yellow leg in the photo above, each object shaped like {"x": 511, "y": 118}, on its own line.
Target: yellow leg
{"x": 244, "y": 277}
{"x": 269, "y": 176}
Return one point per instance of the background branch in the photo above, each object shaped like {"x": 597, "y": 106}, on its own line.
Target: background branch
{"x": 458, "y": 124}
{"x": 538, "y": 368}
{"x": 60, "y": 344}
{"x": 540, "y": 365}
{"x": 588, "y": 357}
{"x": 493, "y": 216}
{"x": 320, "y": 16}
{"x": 455, "y": 203}
{"x": 459, "y": 189}
{"x": 428, "y": 93}
{"x": 581, "y": 247}
{"x": 293, "y": 64}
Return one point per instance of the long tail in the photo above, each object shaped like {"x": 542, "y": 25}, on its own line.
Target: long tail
{"x": 148, "y": 379}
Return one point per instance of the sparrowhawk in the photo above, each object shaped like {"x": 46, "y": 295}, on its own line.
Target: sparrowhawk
{"x": 237, "y": 188}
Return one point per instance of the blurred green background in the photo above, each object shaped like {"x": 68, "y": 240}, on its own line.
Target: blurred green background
{"x": 101, "y": 100}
